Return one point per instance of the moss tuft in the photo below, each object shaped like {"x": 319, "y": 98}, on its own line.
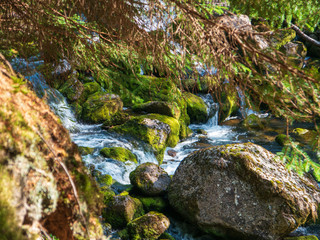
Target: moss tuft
{"x": 119, "y": 153}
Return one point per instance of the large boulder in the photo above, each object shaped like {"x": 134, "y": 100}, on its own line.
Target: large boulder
{"x": 150, "y": 179}
{"x": 242, "y": 191}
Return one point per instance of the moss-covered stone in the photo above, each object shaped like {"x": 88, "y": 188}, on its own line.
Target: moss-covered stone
{"x": 119, "y": 118}
{"x": 282, "y": 139}
{"x": 72, "y": 89}
{"x": 149, "y": 226}
{"x": 159, "y": 131}
{"x": 86, "y": 150}
{"x": 229, "y": 104}
{"x": 150, "y": 179}
{"x": 119, "y": 153}
{"x": 196, "y": 108}
{"x": 253, "y": 122}
{"x": 170, "y": 109}
{"x": 310, "y": 237}
{"x": 166, "y": 236}
{"x": 120, "y": 210}
{"x": 105, "y": 180}
{"x": 101, "y": 107}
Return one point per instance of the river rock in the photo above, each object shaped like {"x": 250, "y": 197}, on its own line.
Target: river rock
{"x": 149, "y": 226}
{"x": 242, "y": 191}
{"x": 101, "y": 107}
{"x": 196, "y": 108}
{"x": 150, "y": 179}
{"x": 170, "y": 109}
{"x": 121, "y": 210}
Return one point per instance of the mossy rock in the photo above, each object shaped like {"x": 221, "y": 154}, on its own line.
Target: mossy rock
{"x": 281, "y": 37}
{"x": 101, "y": 107}
{"x": 120, "y": 210}
{"x": 90, "y": 88}
{"x": 119, "y": 153}
{"x": 253, "y": 122}
{"x": 119, "y": 118}
{"x": 105, "y": 180}
{"x": 150, "y": 179}
{"x": 229, "y": 104}
{"x": 305, "y": 136}
{"x": 282, "y": 139}
{"x": 86, "y": 150}
{"x": 170, "y": 109}
{"x": 159, "y": 131}
{"x": 149, "y": 226}
{"x": 158, "y": 204}
{"x": 72, "y": 89}
{"x": 311, "y": 237}
{"x": 196, "y": 108}
{"x": 166, "y": 236}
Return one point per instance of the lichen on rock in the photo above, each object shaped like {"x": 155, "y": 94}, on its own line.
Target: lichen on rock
{"x": 242, "y": 190}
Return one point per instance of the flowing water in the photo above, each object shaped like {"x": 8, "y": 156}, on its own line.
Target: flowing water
{"x": 88, "y": 135}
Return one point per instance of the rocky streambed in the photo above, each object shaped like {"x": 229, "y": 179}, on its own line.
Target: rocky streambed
{"x": 134, "y": 139}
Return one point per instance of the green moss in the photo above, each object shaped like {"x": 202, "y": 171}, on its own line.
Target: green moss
{"x": 166, "y": 236}
{"x": 282, "y": 139}
{"x": 121, "y": 210}
{"x": 229, "y": 100}
{"x": 196, "y": 108}
{"x": 8, "y": 226}
{"x": 157, "y": 204}
{"x": 105, "y": 180}
{"x": 253, "y": 122}
{"x": 86, "y": 150}
{"x": 311, "y": 237}
{"x": 281, "y": 37}
{"x": 72, "y": 89}
{"x": 117, "y": 119}
{"x": 101, "y": 107}
{"x": 170, "y": 109}
{"x": 157, "y": 135}
{"x": 119, "y": 153}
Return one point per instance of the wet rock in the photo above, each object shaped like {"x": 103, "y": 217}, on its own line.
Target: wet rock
{"x": 121, "y": 210}
{"x": 158, "y": 204}
{"x": 305, "y": 136}
{"x": 72, "y": 89}
{"x": 86, "y": 150}
{"x": 150, "y": 179}
{"x": 101, "y": 107}
{"x": 172, "y": 153}
{"x": 282, "y": 139}
{"x": 119, "y": 118}
{"x": 253, "y": 122}
{"x": 119, "y": 153}
{"x": 149, "y": 226}
{"x": 170, "y": 109}
{"x": 295, "y": 49}
{"x": 196, "y": 108}
{"x": 201, "y": 131}
{"x": 242, "y": 191}
{"x": 229, "y": 103}
{"x": 159, "y": 131}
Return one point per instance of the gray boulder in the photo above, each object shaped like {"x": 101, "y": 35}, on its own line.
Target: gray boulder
{"x": 150, "y": 179}
{"x": 242, "y": 191}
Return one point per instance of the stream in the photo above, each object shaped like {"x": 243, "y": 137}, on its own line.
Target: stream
{"x": 88, "y": 135}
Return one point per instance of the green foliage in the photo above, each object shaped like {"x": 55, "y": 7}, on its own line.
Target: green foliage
{"x": 304, "y": 13}
{"x": 298, "y": 160}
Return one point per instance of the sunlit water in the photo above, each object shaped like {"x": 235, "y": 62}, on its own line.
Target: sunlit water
{"x": 88, "y": 135}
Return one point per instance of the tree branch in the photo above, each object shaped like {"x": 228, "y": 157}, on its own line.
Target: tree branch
{"x": 305, "y": 36}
